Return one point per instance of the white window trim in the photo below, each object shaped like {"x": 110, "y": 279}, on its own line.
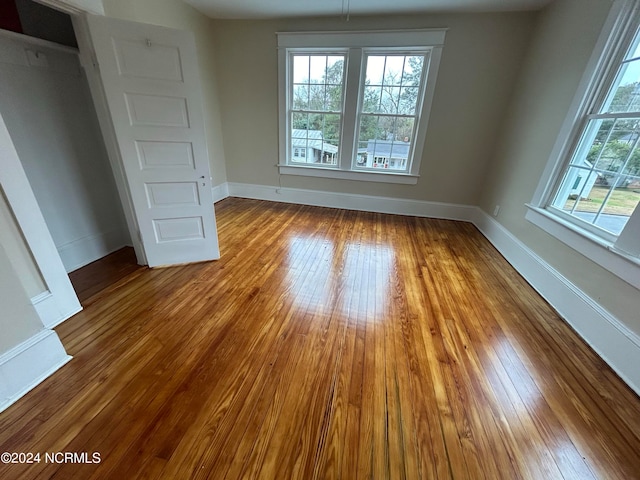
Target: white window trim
{"x": 431, "y": 39}
{"x": 620, "y": 257}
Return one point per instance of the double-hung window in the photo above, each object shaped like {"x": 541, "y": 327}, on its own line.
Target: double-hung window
{"x": 590, "y": 194}
{"x": 356, "y": 103}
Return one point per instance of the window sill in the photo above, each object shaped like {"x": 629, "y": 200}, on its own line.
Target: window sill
{"x": 594, "y": 248}
{"x": 382, "y": 177}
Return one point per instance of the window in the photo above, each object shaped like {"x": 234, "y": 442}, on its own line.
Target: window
{"x": 388, "y": 115}
{"x": 591, "y": 201}
{"x": 356, "y": 102}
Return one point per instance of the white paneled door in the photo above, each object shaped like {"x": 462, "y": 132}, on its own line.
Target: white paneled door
{"x": 152, "y": 87}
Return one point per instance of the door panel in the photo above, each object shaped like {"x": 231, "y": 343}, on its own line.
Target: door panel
{"x": 151, "y": 83}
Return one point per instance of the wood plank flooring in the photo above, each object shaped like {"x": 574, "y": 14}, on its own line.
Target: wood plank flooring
{"x": 98, "y": 276}
{"x": 328, "y": 344}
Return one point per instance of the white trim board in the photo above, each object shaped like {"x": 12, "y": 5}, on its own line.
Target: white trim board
{"x": 220, "y": 192}
{"x": 348, "y": 201}
{"x": 618, "y": 346}
{"x": 26, "y": 365}
{"x": 48, "y": 309}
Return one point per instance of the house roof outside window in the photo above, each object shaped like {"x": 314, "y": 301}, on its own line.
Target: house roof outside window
{"x": 312, "y": 139}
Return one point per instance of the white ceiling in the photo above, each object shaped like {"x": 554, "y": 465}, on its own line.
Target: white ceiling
{"x": 299, "y": 8}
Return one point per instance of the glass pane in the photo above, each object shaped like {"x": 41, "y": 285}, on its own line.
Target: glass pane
{"x": 335, "y": 70}
{"x": 632, "y": 168}
{"x": 603, "y": 200}
{"x": 393, "y": 70}
{"x": 384, "y": 142}
{"x": 317, "y": 68}
{"x": 300, "y": 69}
{"x": 390, "y": 99}
{"x": 315, "y": 138}
{"x": 300, "y": 97}
{"x": 408, "y": 100}
{"x": 318, "y": 82}
{"x": 375, "y": 69}
{"x": 333, "y": 98}
{"x": 624, "y": 197}
{"x": 300, "y": 121}
{"x": 316, "y": 97}
{"x": 371, "y": 101}
{"x": 596, "y": 134}
{"x": 413, "y": 70}
{"x": 609, "y": 207}
{"x": 625, "y": 96}
{"x": 613, "y": 153}
{"x": 634, "y": 51}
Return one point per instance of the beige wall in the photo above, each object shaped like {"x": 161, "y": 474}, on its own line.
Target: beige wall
{"x": 18, "y": 320}
{"x": 176, "y": 14}
{"x": 481, "y": 58}
{"x": 564, "y": 38}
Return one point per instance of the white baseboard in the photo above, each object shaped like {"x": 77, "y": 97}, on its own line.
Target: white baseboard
{"x": 349, "y": 201}
{"x": 28, "y": 364}
{"x": 83, "y": 251}
{"x": 608, "y": 336}
{"x": 220, "y": 192}
{"x": 51, "y": 312}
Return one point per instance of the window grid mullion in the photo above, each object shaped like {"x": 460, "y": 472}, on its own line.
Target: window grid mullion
{"x": 353, "y": 83}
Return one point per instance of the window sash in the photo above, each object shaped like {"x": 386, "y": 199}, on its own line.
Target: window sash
{"x": 360, "y": 161}
{"x": 603, "y": 95}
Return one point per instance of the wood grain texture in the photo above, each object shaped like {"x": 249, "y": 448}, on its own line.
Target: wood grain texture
{"x": 327, "y": 344}
{"x": 98, "y": 276}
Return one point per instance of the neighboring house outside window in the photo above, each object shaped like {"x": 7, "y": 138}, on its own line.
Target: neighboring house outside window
{"x": 590, "y": 192}
{"x": 349, "y": 98}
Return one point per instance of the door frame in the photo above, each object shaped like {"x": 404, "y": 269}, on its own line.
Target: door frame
{"x": 59, "y": 301}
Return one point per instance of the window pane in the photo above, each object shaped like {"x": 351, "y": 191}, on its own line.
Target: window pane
{"x": 375, "y": 69}
{"x": 613, "y": 153}
{"x": 371, "y": 101}
{"x": 317, "y": 136}
{"x": 317, "y": 82}
{"x": 608, "y": 207}
{"x": 408, "y": 100}
{"x": 316, "y": 97}
{"x": 390, "y": 99}
{"x": 335, "y": 70}
{"x": 317, "y": 69}
{"x": 333, "y": 98}
{"x": 299, "y": 121}
{"x": 384, "y": 142}
{"x": 393, "y": 70}
{"x": 301, "y": 69}
{"x": 301, "y": 97}
{"x": 625, "y": 96}
{"x": 601, "y": 199}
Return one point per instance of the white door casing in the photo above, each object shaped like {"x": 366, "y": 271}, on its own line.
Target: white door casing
{"x": 152, "y": 87}
{"x": 59, "y": 301}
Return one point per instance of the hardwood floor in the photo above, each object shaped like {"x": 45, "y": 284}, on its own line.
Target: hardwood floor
{"x": 98, "y": 276}
{"x": 328, "y": 344}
